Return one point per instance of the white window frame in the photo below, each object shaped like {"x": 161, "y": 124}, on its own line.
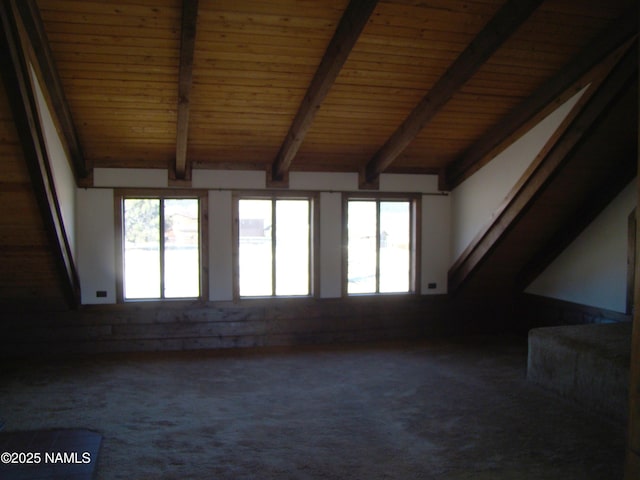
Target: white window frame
{"x": 273, "y": 196}
{"x": 119, "y": 197}
{"x": 414, "y": 251}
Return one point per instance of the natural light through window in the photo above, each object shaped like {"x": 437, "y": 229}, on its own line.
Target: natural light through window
{"x": 161, "y": 248}
{"x": 379, "y": 246}
{"x": 274, "y": 247}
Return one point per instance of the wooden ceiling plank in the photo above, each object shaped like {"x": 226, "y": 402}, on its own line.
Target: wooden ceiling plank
{"x": 574, "y": 129}
{"x": 311, "y": 9}
{"x": 351, "y": 24}
{"x": 166, "y": 42}
{"x": 498, "y": 29}
{"x": 116, "y": 9}
{"x": 187, "y": 48}
{"x": 67, "y": 59}
{"x": 52, "y": 86}
{"x": 73, "y": 20}
{"x": 503, "y": 133}
{"x": 116, "y": 31}
{"x": 112, "y": 53}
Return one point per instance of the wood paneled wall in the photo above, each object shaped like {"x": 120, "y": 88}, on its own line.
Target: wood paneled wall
{"x": 249, "y": 323}
{"x": 536, "y": 311}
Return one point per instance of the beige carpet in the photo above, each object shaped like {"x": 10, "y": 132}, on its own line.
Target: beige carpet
{"x": 439, "y": 410}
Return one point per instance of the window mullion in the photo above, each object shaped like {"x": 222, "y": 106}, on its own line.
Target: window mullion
{"x": 310, "y": 234}
{"x": 161, "y": 233}
{"x": 377, "y": 246}
{"x": 413, "y": 219}
{"x": 273, "y": 246}
{"x": 201, "y": 262}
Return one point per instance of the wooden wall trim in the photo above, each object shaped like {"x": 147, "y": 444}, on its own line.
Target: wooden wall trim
{"x": 182, "y": 325}
{"x": 538, "y": 311}
{"x": 189, "y": 325}
{"x": 344, "y": 274}
{"x": 416, "y": 253}
{"x": 118, "y": 217}
{"x": 204, "y": 246}
{"x": 15, "y": 72}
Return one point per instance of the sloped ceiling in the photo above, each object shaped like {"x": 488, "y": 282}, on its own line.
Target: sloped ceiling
{"x": 250, "y": 64}
{"x": 433, "y": 86}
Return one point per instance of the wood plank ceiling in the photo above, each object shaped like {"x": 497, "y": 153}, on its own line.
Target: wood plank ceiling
{"x": 338, "y": 90}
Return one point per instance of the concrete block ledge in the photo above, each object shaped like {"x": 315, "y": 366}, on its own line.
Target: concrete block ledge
{"x": 585, "y": 363}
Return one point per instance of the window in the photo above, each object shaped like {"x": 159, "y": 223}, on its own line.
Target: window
{"x": 160, "y": 247}
{"x": 274, "y": 246}
{"x": 381, "y": 245}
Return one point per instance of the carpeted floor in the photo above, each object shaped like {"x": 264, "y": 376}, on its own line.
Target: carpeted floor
{"x": 429, "y": 410}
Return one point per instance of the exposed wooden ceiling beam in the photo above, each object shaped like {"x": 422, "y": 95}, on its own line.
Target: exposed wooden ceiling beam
{"x": 51, "y": 85}
{"x": 14, "y": 68}
{"x": 353, "y": 21}
{"x": 576, "y": 127}
{"x": 498, "y": 29}
{"x": 187, "y": 47}
{"x": 516, "y": 122}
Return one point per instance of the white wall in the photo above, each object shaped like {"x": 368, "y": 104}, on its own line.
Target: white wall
{"x": 63, "y": 179}
{"x": 96, "y": 225}
{"x": 220, "y": 246}
{"x": 330, "y": 245}
{"x": 254, "y": 180}
{"x": 476, "y": 199}
{"x": 436, "y": 241}
{"x": 593, "y": 269}
{"x": 130, "y": 177}
{"x": 96, "y": 244}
